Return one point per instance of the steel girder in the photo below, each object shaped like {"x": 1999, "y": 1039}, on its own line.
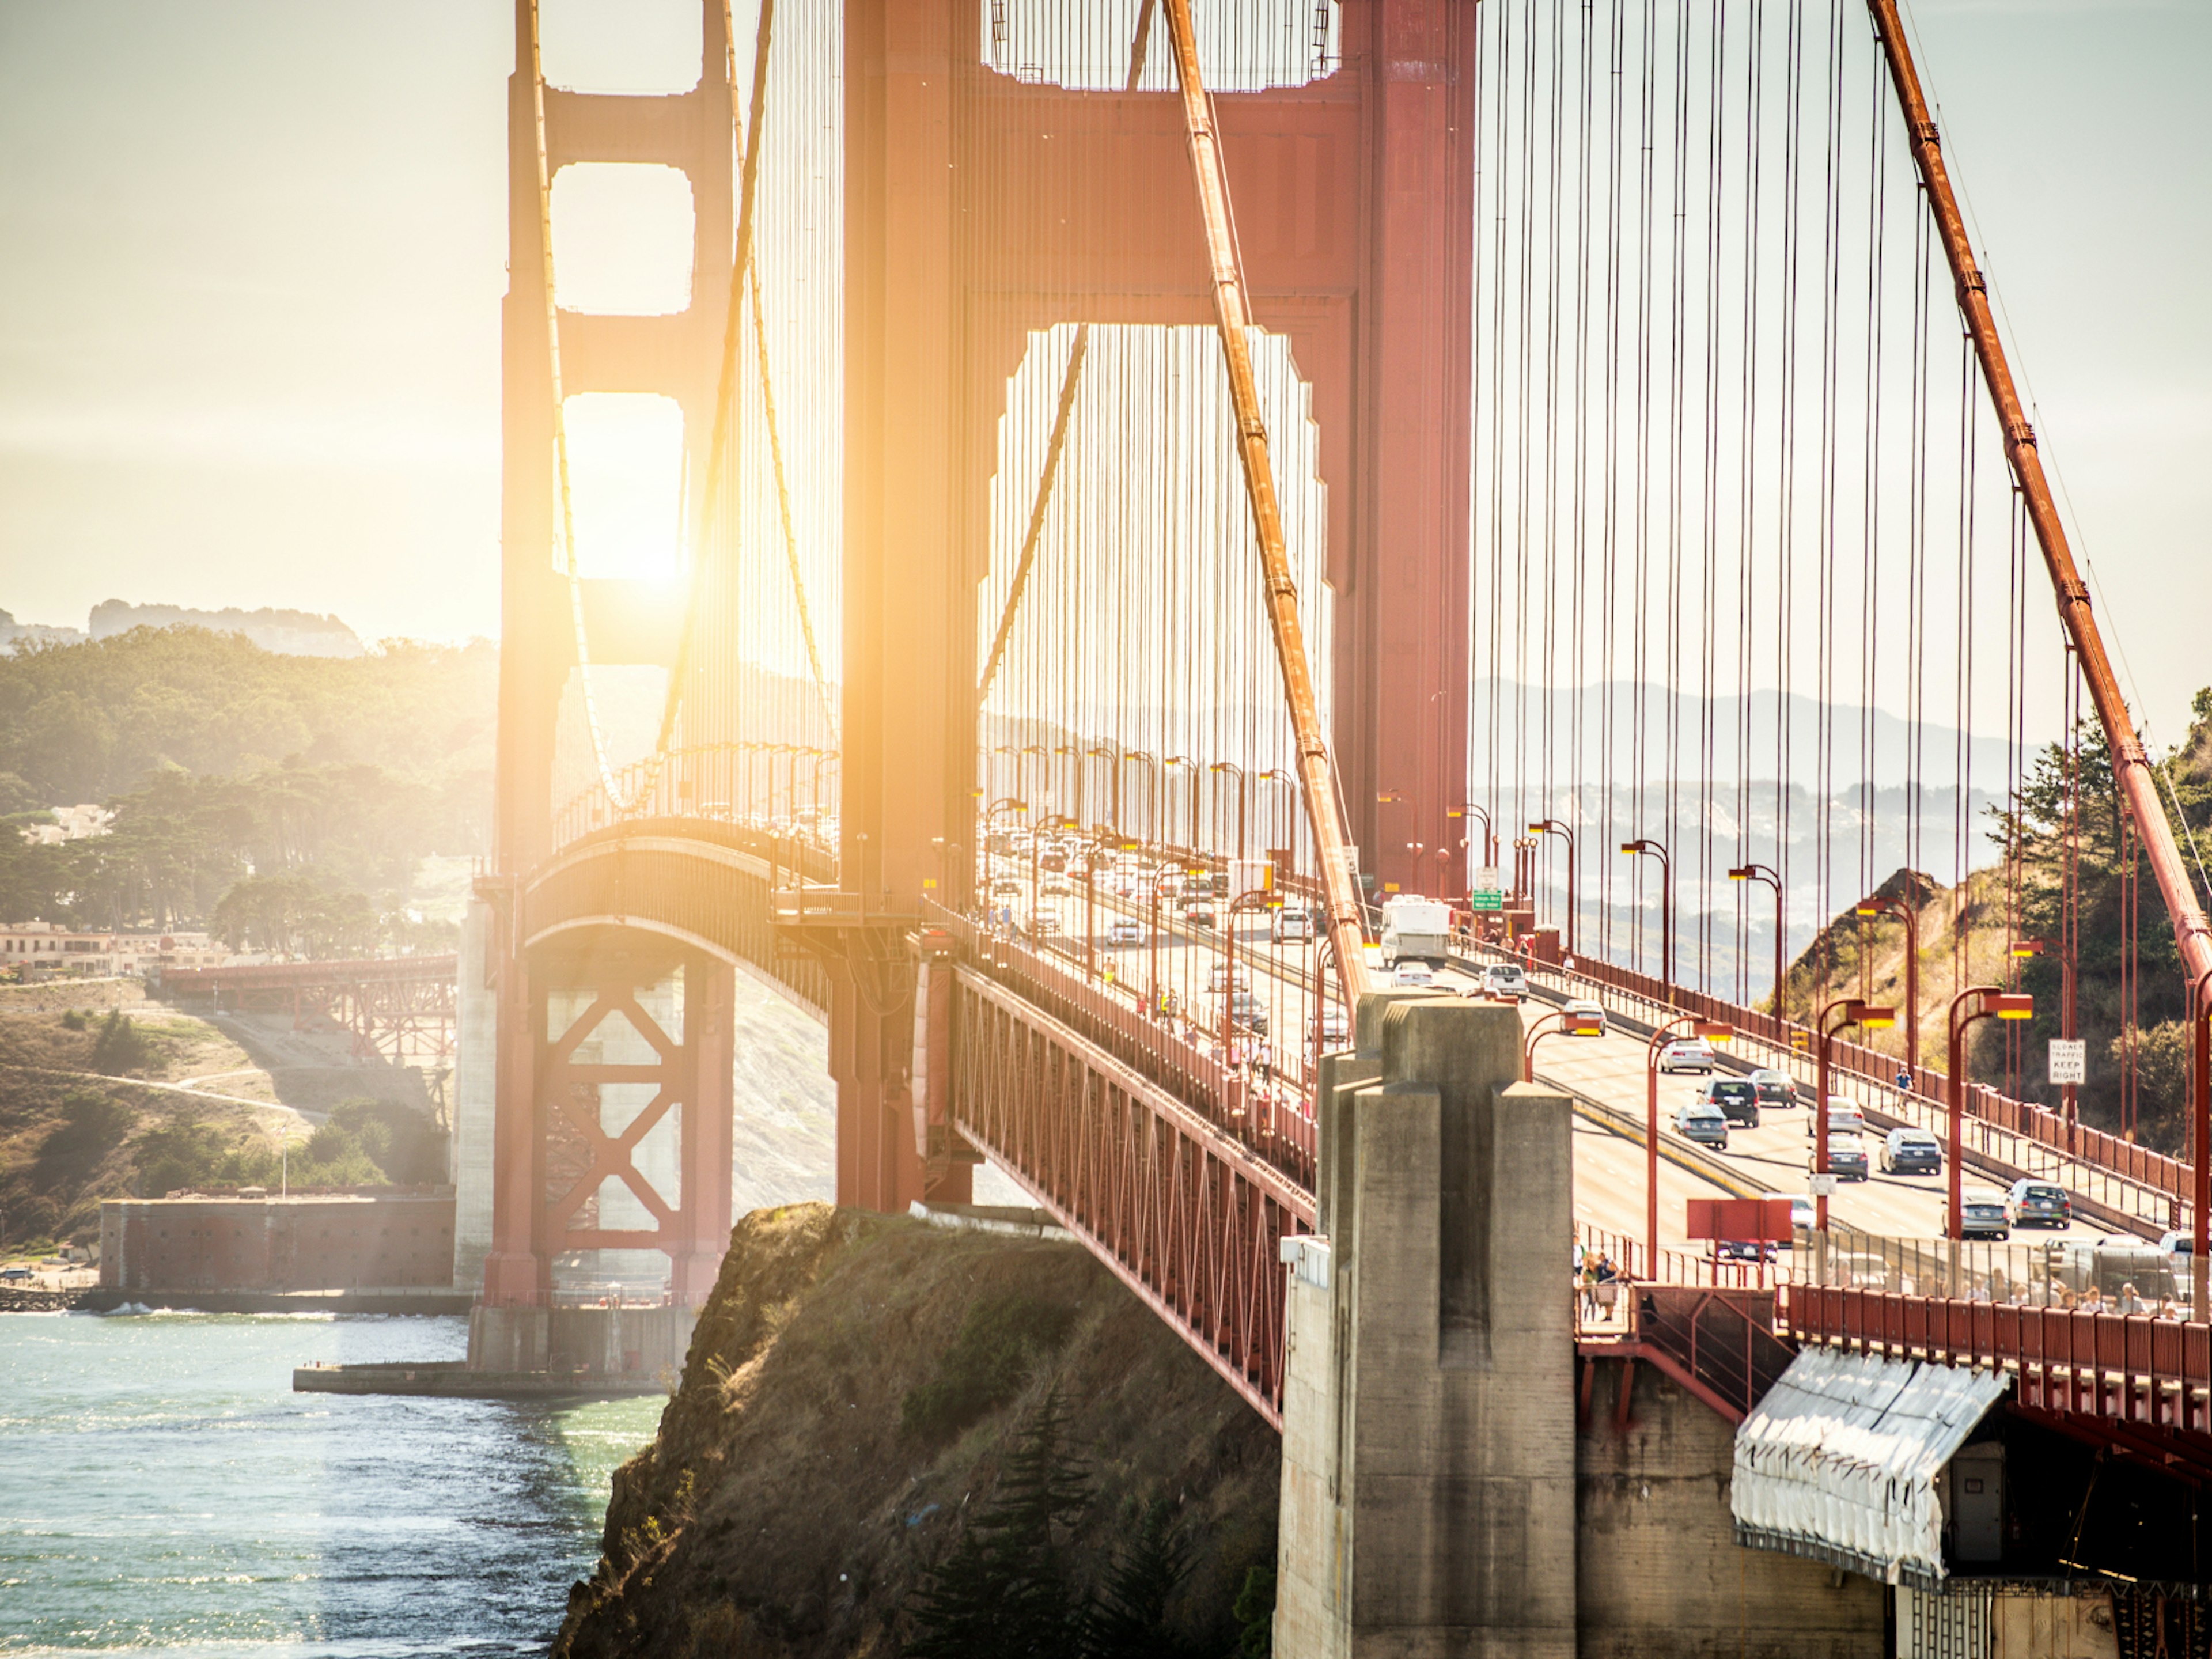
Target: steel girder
{"x": 1187, "y": 1216}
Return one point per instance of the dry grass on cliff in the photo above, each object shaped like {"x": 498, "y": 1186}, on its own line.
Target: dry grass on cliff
{"x": 783, "y": 1511}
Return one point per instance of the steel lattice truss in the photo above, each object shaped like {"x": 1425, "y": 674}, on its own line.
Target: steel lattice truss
{"x": 1188, "y": 1217}
{"x": 400, "y": 1010}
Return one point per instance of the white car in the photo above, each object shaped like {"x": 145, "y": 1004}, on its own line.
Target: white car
{"x": 1687, "y": 1054}
{"x": 1505, "y": 979}
{"x": 1291, "y": 927}
{"x": 1125, "y": 930}
{"x": 1412, "y": 975}
{"x": 1583, "y": 1012}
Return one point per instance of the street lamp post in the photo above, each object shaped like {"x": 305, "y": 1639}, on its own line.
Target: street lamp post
{"x": 1555, "y": 827}
{"x": 1231, "y": 767}
{"x": 1644, "y": 845}
{"x": 1255, "y": 900}
{"x": 1076, "y": 755}
{"x": 1050, "y": 821}
{"x": 1152, "y": 791}
{"x": 1187, "y": 762}
{"x": 1489, "y": 839}
{"x": 1988, "y": 1000}
{"x": 1106, "y": 750}
{"x": 1877, "y": 906}
{"x": 1711, "y": 1032}
{"x": 1276, "y": 774}
{"x": 1768, "y": 876}
{"x": 1855, "y": 1012}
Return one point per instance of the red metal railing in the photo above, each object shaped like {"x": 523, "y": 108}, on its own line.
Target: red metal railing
{"x": 2128, "y": 1367}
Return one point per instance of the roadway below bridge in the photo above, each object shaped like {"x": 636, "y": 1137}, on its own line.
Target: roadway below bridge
{"x": 1607, "y": 1073}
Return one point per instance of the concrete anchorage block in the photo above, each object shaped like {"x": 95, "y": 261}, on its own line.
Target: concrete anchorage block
{"x": 1429, "y": 1429}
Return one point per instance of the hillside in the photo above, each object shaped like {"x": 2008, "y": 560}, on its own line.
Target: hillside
{"x": 861, "y": 1389}
{"x": 286, "y": 802}
{"x": 79, "y": 1120}
{"x": 92, "y": 721}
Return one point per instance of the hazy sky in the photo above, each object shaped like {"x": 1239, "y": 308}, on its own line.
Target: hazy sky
{"x": 251, "y": 254}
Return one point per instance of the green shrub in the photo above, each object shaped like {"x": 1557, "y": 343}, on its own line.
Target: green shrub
{"x": 120, "y": 1047}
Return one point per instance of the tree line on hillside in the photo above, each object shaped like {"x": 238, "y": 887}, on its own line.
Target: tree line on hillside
{"x": 2038, "y": 823}
{"x": 283, "y": 803}
{"x": 2034, "y": 828}
{"x": 90, "y": 721}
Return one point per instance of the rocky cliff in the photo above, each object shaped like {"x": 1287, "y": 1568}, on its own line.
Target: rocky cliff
{"x": 851, "y": 1393}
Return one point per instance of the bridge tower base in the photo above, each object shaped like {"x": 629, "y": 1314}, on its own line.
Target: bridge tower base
{"x": 1428, "y": 1495}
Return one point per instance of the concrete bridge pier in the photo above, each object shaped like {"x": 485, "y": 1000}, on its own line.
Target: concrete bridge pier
{"x": 1428, "y": 1497}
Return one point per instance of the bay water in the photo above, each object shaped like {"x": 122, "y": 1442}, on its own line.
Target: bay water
{"x": 163, "y": 1492}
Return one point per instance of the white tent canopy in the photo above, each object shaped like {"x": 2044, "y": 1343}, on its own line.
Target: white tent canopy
{"x": 1840, "y": 1462}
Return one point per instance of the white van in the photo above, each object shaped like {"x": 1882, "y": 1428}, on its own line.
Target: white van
{"x": 1415, "y": 927}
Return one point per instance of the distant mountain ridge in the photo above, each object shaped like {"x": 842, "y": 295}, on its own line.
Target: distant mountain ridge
{"x": 287, "y": 633}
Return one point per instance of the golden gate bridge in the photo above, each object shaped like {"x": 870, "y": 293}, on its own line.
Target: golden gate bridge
{"x": 1163, "y": 483}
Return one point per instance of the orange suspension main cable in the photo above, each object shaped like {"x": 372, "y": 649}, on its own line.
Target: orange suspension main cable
{"x": 1316, "y": 775}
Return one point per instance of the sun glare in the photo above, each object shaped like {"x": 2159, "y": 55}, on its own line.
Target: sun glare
{"x": 626, "y": 484}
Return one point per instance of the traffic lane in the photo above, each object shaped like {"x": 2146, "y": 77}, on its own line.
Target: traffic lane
{"x": 1609, "y": 1176}
{"x": 1775, "y": 1157}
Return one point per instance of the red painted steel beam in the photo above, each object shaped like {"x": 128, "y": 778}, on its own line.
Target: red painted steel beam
{"x": 1177, "y": 1208}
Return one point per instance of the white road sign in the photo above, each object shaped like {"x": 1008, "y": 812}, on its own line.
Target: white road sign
{"x": 2070, "y": 1060}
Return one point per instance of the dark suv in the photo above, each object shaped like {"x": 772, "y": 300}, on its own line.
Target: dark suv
{"x": 1735, "y": 1098}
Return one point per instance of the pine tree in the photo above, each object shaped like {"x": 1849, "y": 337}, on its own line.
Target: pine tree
{"x": 1005, "y": 1591}
{"x": 1255, "y": 1611}
{"x": 1131, "y": 1618}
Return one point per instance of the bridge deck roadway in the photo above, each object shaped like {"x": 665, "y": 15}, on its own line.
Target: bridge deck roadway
{"x": 1609, "y": 1192}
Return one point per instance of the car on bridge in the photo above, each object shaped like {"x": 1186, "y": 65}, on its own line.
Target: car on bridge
{"x": 1006, "y": 890}
{"x": 1802, "y": 1213}
{"x": 1335, "y": 1024}
{"x": 1505, "y": 980}
{"x": 1687, "y": 1054}
{"x": 2032, "y": 1203}
{"x": 1847, "y": 1156}
{"x": 1245, "y": 1013}
{"x": 1698, "y": 1121}
{"x": 1125, "y": 930}
{"x": 1733, "y": 1097}
{"x": 1199, "y": 913}
{"x": 1217, "y": 978}
{"x": 1844, "y": 1117}
{"x": 1058, "y": 889}
{"x": 1411, "y": 975}
{"x": 1292, "y": 927}
{"x": 1585, "y": 1012}
{"x": 1981, "y": 1214}
{"x": 1775, "y": 1088}
{"x": 1908, "y": 1151}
